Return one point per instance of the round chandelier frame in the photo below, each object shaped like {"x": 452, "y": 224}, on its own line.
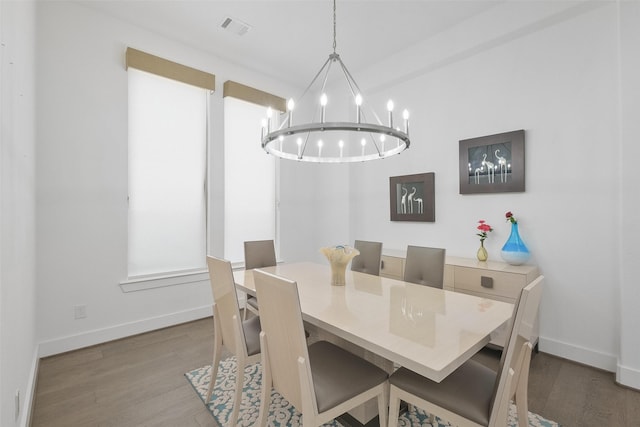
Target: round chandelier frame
{"x": 353, "y": 141}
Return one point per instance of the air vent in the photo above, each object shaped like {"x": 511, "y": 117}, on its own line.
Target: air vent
{"x": 235, "y": 25}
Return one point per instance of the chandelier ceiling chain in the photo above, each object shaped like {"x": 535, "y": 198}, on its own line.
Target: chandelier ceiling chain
{"x": 334, "y": 27}
{"x": 351, "y": 141}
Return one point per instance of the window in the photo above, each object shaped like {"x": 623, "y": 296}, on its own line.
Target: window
{"x": 167, "y": 174}
{"x": 251, "y": 176}
{"x": 250, "y": 179}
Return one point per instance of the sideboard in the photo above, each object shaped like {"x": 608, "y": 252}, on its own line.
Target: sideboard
{"x": 490, "y": 279}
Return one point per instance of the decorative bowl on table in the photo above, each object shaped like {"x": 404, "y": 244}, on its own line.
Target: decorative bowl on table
{"x": 339, "y": 257}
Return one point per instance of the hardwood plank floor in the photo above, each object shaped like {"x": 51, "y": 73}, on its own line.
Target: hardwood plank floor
{"x": 138, "y": 381}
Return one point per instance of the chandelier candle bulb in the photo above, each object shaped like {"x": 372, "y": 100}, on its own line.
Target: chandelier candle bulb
{"x": 358, "y": 110}
{"x": 390, "y": 109}
{"x": 290, "y": 105}
{"x": 363, "y": 143}
{"x": 323, "y": 103}
{"x": 319, "y": 148}
{"x": 405, "y": 115}
{"x": 269, "y": 114}
{"x": 341, "y": 145}
{"x": 382, "y": 138}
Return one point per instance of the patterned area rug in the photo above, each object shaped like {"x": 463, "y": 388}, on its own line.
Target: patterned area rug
{"x": 281, "y": 413}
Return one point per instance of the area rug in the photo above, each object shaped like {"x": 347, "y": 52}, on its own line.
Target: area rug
{"x": 281, "y": 413}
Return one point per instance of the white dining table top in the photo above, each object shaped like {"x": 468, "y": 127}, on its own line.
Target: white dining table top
{"x": 430, "y": 331}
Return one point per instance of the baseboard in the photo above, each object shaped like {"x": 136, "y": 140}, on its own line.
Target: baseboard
{"x": 628, "y": 377}
{"x": 607, "y": 362}
{"x": 97, "y": 336}
{"x": 30, "y": 392}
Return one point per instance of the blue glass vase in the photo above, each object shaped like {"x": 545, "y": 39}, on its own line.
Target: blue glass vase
{"x": 514, "y": 251}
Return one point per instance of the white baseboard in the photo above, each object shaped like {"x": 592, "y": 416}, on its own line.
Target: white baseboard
{"x": 97, "y": 336}
{"x": 30, "y": 392}
{"x": 628, "y": 377}
{"x": 607, "y": 362}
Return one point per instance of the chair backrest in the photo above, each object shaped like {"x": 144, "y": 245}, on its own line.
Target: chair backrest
{"x": 281, "y": 321}
{"x": 425, "y": 266}
{"x": 525, "y": 313}
{"x": 369, "y": 259}
{"x": 226, "y": 303}
{"x": 259, "y": 253}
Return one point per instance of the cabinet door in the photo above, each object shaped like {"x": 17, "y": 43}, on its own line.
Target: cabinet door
{"x": 392, "y": 267}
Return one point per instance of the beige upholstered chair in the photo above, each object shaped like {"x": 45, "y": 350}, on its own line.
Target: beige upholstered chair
{"x": 240, "y": 338}
{"x": 425, "y": 266}
{"x": 474, "y": 395}
{"x": 257, "y": 254}
{"x": 369, "y": 259}
{"x": 323, "y": 380}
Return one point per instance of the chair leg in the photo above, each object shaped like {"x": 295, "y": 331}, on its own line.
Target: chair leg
{"x": 394, "y": 409}
{"x": 217, "y": 355}
{"x": 382, "y": 410}
{"x": 237, "y": 397}
{"x": 265, "y": 390}
{"x": 521, "y": 398}
{"x": 214, "y": 376}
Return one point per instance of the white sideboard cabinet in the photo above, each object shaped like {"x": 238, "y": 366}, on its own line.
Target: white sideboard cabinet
{"x": 491, "y": 279}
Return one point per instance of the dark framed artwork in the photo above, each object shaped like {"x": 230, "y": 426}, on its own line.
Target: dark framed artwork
{"x": 412, "y": 197}
{"x": 492, "y": 164}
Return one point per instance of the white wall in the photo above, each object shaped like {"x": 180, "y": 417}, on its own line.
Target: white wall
{"x": 18, "y": 356}
{"x": 82, "y": 178}
{"x": 551, "y": 69}
{"x": 629, "y": 232}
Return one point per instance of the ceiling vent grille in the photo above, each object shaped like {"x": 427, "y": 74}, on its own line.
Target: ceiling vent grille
{"x": 235, "y": 25}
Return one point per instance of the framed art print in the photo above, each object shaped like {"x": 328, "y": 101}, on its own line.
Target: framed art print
{"x": 492, "y": 164}
{"x": 412, "y": 197}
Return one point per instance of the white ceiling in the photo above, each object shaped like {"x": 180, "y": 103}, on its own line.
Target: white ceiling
{"x": 291, "y": 39}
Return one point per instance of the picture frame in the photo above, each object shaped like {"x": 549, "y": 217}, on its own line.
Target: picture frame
{"x": 493, "y": 163}
{"x": 412, "y": 197}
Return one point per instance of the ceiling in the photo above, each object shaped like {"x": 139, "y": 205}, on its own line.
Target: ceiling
{"x": 292, "y": 39}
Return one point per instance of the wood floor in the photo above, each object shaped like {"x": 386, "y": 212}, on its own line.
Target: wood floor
{"x": 138, "y": 381}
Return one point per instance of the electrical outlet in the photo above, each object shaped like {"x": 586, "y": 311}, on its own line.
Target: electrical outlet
{"x": 16, "y": 411}
{"x": 79, "y": 312}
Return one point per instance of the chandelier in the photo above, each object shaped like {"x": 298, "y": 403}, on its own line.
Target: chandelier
{"x": 328, "y": 141}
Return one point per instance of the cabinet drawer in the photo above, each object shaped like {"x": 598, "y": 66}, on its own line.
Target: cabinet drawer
{"x": 505, "y": 285}
{"x": 392, "y": 267}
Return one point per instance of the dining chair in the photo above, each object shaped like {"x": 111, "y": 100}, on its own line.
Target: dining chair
{"x": 369, "y": 259}
{"x": 257, "y": 254}
{"x": 474, "y": 395}
{"x": 322, "y": 381}
{"x": 492, "y": 358}
{"x": 242, "y": 338}
{"x": 425, "y": 266}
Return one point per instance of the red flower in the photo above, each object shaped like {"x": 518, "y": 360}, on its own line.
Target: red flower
{"x": 484, "y": 229}
{"x": 510, "y": 217}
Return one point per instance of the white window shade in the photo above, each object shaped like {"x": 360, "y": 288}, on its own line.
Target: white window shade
{"x": 167, "y": 175}
{"x": 250, "y": 179}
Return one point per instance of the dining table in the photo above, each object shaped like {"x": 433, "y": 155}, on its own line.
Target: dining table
{"x": 428, "y": 330}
